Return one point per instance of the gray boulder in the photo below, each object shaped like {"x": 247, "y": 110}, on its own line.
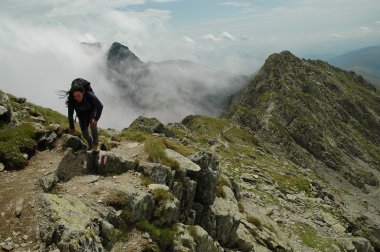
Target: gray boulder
{"x": 186, "y": 165}
{"x": 135, "y": 205}
{"x": 184, "y": 190}
{"x": 73, "y": 142}
{"x": 48, "y": 181}
{"x": 4, "y": 98}
{"x": 5, "y": 113}
{"x": 151, "y": 125}
{"x": 47, "y": 141}
{"x": 109, "y": 163}
{"x": 72, "y": 164}
{"x": 194, "y": 238}
{"x": 69, "y": 224}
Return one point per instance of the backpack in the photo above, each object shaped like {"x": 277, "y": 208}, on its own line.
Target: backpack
{"x": 83, "y": 83}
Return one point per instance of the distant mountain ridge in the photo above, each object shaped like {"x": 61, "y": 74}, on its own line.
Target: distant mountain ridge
{"x": 364, "y": 61}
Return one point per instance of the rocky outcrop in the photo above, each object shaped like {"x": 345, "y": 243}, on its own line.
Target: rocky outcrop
{"x": 194, "y": 238}
{"x": 160, "y": 174}
{"x": 73, "y": 164}
{"x": 109, "y": 163}
{"x": 75, "y": 227}
{"x": 151, "y": 125}
{"x": 206, "y": 177}
{"x": 73, "y": 142}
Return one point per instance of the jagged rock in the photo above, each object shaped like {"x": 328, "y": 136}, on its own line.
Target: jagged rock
{"x": 109, "y": 163}
{"x": 153, "y": 187}
{"x": 227, "y": 219}
{"x": 166, "y": 211}
{"x": 18, "y": 209}
{"x": 333, "y": 222}
{"x": 54, "y": 127}
{"x": 8, "y": 246}
{"x": 151, "y": 125}
{"x": 206, "y": 178}
{"x": 366, "y": 227}
{"x": 266, "y": 233}
{"x": 73, "y": 142}
{"x": 5, "y": 113}
{"x": 194, "y": 238}
{"x": 355, "y": 244}
{"x": 249, "y": 178}
{"x": 186, "y": 164}
{"x": 48, "y": 181}
{"x": 108, "y": 233}
{"x": 4, "y": 98}
{"x": 69, "y": 224}
{"x": 244, "y": 240}
{"x": 47, "y": 142}
{"x": 160, "y": 174}
{"x": 20, "y": 100}
{"x": 71, "y": 165}
{"x": 184, "y": 191}
{"x": 135, "y": 205}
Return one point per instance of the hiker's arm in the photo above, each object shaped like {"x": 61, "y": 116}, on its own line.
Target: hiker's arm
{"x": 98, "y": 108}
{"x": 70, "y": 115}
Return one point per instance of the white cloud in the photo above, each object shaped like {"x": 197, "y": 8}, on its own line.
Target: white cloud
{"x": 244, "y": 6}
{"x": 364, "y": 29}
{"x": 225, "y": 36}
{"x": 188, "y": 40}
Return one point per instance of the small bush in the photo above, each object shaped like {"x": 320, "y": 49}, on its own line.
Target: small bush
{"x": 222, "y": 181}
{"x": 116, "y": 199}
{"x": 162, "y": 195}
{"x": 241, "y": 207}
{"x": 254, "y": 220}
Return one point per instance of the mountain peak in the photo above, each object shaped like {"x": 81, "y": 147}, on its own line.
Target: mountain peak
{"x": 119, "y": 53}
{"x": 283, "y": 58}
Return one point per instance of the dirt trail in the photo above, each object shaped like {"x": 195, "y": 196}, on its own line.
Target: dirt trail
{"x": 22, "y": 186}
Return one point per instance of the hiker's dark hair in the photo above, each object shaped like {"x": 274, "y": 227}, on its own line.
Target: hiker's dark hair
{"x": 77, "y": 85}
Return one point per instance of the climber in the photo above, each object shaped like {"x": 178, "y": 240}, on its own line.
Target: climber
{"x": 88, "y": 108}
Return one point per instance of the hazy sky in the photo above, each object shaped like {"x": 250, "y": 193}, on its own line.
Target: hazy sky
{"x": 40, "y": 50}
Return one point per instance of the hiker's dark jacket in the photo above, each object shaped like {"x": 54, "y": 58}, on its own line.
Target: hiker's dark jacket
{"x": 90, "y": 108}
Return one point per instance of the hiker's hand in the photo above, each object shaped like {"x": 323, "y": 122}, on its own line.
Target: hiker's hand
{"x": 93, "y": 122}
{"x": 72, "y": 131}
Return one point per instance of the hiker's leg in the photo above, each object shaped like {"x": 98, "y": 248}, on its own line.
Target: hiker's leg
{"x": 95, "y": 134}
{"x": 87, "y": 136}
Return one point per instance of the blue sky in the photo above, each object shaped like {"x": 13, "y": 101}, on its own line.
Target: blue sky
{"x": 232, "y": 35}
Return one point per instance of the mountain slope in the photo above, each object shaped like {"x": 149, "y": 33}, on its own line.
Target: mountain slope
{"x": 316, "y": 112}
{"x": 317, "y": 115}
{"x": 152, "y": 88}
{"x": 365, "y": 61}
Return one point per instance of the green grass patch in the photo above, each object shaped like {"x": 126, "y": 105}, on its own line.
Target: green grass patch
{"x": 155, "y": 147}
{"x": 163, "y": 236}
{"x": 14, "y": 142}
{"x": 293, "y": 183}
{"x": 130, "y": 134}
{"x": 310, "y": 237}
